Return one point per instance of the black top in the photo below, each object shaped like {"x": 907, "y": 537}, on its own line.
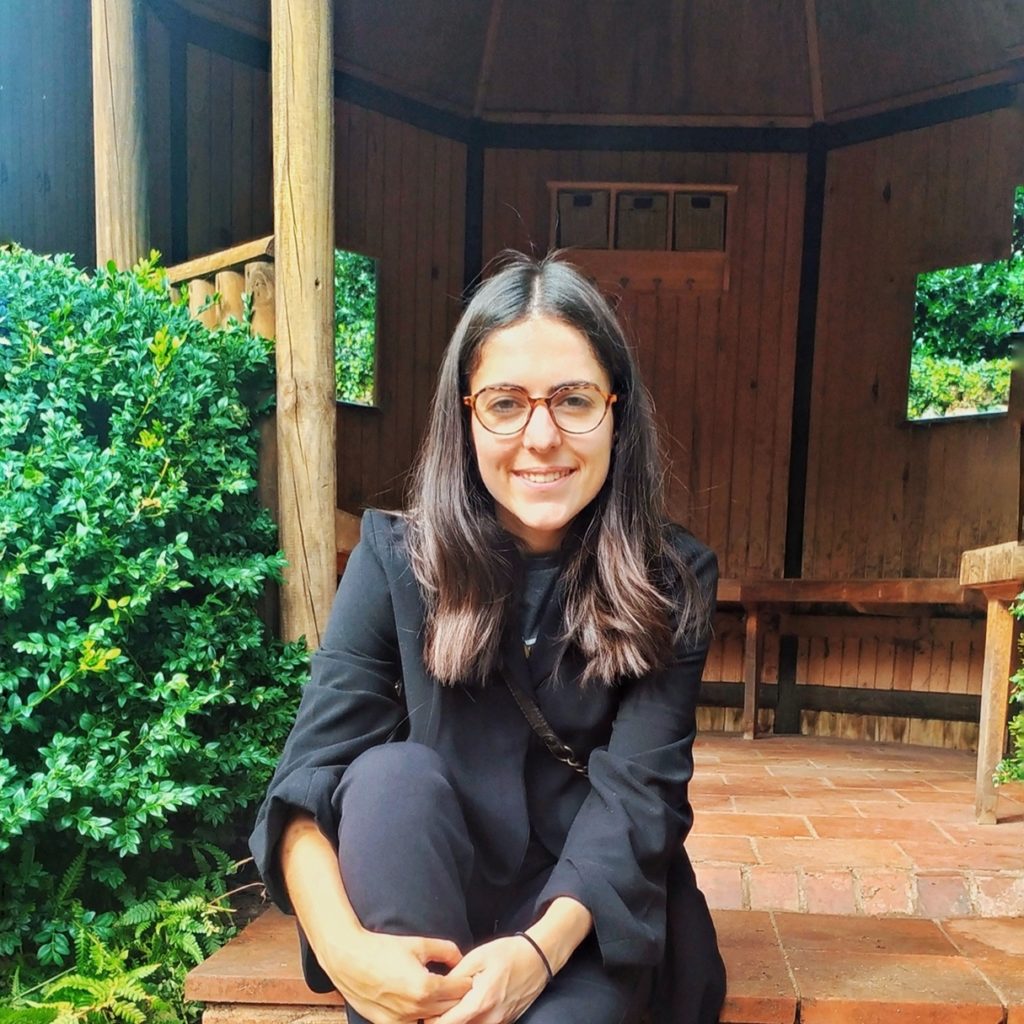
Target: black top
{"x": 539, "y": 575}
{"x": 614, "y": 833}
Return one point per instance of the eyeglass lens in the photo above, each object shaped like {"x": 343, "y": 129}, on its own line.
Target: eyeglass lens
{"x": 575, "y": 409}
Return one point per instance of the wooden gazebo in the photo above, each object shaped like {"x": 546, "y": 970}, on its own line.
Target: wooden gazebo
{"x": 835, "y": 149}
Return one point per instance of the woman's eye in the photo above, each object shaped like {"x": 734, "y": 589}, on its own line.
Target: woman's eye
{"x": 504, "y": 406}
{"x": 575, "y": 401}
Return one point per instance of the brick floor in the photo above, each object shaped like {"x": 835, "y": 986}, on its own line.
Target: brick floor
{"x": 833, "y": 826}
{"x": 782, "y": 967}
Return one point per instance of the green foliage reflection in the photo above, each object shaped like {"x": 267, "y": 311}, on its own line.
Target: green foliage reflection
{"x": 960, "y": 361}
{"x": 355, "y": 326}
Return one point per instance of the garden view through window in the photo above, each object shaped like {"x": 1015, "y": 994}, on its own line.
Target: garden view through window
{"x": 355, "y": 327}
{"x": 960, "y": 360}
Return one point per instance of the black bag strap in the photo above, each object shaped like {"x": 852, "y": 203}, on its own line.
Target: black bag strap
{"x": 539, "y": 724}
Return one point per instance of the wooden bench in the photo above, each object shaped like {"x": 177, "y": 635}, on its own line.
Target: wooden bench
{"x": 990, "y": 579}
{"x": 762, "y": 600}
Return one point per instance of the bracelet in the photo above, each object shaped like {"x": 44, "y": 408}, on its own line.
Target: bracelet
{"x": 540, "y": 953}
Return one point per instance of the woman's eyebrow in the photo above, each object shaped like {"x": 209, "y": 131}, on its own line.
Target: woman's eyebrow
{"x": 509, "y": 386}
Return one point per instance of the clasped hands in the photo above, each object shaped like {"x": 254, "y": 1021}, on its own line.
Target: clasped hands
{"x": 386, "y": 979}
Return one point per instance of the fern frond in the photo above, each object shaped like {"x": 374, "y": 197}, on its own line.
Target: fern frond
{"x": 75, "y": 983}
{"x": 72, "y": 877}
{"x": 128, "y": 1013}
{"x": 189, "y": 945}
{"x": 28, "y": 1015}
{"x": 140, "y": 913}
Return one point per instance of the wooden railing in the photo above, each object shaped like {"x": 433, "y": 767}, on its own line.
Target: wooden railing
{"x": 229, "y": 274}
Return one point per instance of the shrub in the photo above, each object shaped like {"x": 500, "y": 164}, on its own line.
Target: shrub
{"x": 142, "y": 701}
{"x": 355, "y": 326}
{"x": 1011, "y": 769}
{"x": 941, "y": 386}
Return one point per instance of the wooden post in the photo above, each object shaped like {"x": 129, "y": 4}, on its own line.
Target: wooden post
{"x": 753, "y": 656}
{"x": 995, "y": 696}
{"x": 302, "y": 45}
{"x": 119, "y": 132}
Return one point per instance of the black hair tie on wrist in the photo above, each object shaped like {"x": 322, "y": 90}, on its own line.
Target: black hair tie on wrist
{"x": 540, "y": 953}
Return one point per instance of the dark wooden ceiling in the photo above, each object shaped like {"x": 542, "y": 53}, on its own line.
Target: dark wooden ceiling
{"x": 785, "y": 62}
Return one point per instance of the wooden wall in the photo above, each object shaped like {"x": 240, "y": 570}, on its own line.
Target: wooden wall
{"x": 46, "y": 179}
{"x": 401, "y": 198}
{"x": 884, "y": 497}
{"x": 718, "y": 364}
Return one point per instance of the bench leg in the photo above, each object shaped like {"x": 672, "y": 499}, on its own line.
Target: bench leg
{"x": 753, "y": 656}
{"x": 995, "y": 697}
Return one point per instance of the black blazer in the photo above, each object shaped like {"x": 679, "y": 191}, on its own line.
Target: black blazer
{"x": 615, "y": 833}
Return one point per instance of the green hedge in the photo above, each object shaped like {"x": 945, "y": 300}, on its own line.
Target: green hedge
{"x": 142, "y": 701}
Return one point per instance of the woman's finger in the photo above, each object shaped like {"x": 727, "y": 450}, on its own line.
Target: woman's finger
{"x": 438, "y": 951}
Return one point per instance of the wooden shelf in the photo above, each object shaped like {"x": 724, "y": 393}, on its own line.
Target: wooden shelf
{"x": 614, "y": 269}
{"x": 647, "y": 270}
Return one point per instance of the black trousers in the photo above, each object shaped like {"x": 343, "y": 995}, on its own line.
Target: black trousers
{"x": 409, "y": 869}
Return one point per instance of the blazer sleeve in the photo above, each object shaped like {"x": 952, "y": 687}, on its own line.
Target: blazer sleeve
{"x": 616, "y": 855}
{"x": 352, "y": 702}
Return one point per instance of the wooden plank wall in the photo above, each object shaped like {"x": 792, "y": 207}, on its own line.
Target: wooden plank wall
{"x": 46, "y": 181}
{"x": 230, "y": 171}
{"x": 886, "y": 498}
{"x": 719, "y": 364}
{"x": 401, "y": 199}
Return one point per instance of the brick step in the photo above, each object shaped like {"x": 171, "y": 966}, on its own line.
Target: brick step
{"x": 870, "y": 892}
{"x": 836, "y": 827}
{"x": 783, "y": 968}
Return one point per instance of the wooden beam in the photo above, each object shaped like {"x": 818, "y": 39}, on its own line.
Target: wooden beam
{"x": 119, "y": 132}
{"x": 753, "y": 658}
{"x": 1001, "y": 76}
{"x": 852, "y": 700}
{"x": 847, "y": 591}
{"x": 995, "y": 697}
{"x": 487, "y": 59}
{"x": 814, "y": 60}
{"x": 203, "y": 266}
{"x": 301, "y": 40}
{"x": 997, "y": 563}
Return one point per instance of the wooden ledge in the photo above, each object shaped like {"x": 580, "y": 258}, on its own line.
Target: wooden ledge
{"x": 204, "y": 266}
{"x": 842, "y": 591}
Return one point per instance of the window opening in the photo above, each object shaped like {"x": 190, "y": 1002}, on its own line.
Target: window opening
{"x": 355, "y": 327}
{"x": 960, "y": 359}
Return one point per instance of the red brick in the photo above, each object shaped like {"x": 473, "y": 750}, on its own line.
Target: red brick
{"x": 718, "y": 824}
{"x": 722, "y": 886}
{"x": 720, "y": 849}
{"x": 999, "y": 895}
{"x": 885, "y": 892}
{"x": 812, "y": 854}
{"x": 771, "y": 889}
{"x": 828, "y": 892}
{"x": 943, "y": 896}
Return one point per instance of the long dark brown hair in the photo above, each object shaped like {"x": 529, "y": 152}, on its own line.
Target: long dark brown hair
{"x": 628, "y": 595}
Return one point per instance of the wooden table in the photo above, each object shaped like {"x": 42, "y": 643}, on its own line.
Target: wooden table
{"x": 998, "y": 572}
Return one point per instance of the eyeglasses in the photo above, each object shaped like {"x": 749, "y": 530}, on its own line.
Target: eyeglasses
{"x": 575, "y": 408}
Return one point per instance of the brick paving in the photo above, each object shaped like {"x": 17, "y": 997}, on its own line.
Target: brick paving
{"x": 827, "y": 826}
{"x": 782, "y": 968}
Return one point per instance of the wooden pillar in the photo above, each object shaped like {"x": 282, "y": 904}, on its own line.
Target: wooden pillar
{"x": 303, "y": 140}
{"x": 119, "y": 132}
{"x": 995, "y": 697}
{"x": 753, "y": 658}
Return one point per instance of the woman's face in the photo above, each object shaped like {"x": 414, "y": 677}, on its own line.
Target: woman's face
{"x": 541, "y": 477}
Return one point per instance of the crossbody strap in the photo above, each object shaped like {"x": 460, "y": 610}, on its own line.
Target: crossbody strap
{"x": 539, "y": 724}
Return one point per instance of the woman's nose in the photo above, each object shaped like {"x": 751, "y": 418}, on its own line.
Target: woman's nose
{"x": 541, "y": 431}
